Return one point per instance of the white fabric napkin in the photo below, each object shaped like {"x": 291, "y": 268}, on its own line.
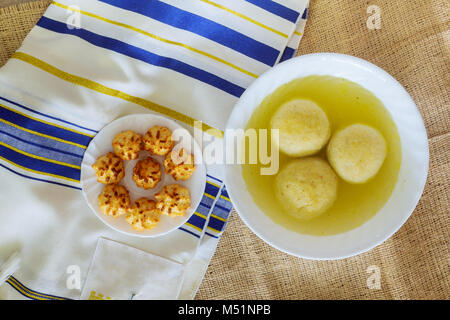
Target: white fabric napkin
{"x": 122, "y": 272}
{"x": 87, "y": 63}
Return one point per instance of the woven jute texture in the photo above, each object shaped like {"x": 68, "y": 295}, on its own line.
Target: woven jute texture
{"x": 413, "y": 45}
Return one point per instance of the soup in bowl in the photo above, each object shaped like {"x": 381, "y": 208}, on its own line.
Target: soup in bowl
{"x": 348, "y": 155}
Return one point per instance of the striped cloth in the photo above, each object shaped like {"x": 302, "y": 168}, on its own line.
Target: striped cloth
{"x": 89, "y": 62}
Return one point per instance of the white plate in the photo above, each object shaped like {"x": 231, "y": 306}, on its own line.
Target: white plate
{"x": 101, "y": 144}
{"x": 412, "y": 175}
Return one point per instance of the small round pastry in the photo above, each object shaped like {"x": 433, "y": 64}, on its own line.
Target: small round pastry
{"x": 357, "y": 152}
{"x": 303, "y": 128}
{"x": 109, "y": 169}
{"x": 127, "y": 145}
{"x": 158, "y": 140}
{"x": 173, "y": 200}
{"x": 114, "y": 200}
{"x": 147, "y": 173}
{"x": 143, "y": 214}
{"x": 179, "y": 164}
{"x": 306, "y": 188}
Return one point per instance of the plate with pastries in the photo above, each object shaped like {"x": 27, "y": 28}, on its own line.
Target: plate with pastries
{"x": 143, "y": 175}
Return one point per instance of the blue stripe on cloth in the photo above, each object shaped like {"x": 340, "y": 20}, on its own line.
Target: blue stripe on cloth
{"x": 277, "y": 8}
{"x": 211, "y": 30}
{"x": 223, "y": 207}
{"x": 203, "y": 209}
{"x": 287, "y": 54}
{"x": 36, "y": 144}
{"x": 224, "y": 204}
{"x": 143, "y": 55}
{"x": 31, "y": 294}
{"x": 44, "y": 128}
{"x": 46, "y": 115}
{"x": 214, "y": 178}
{"x": 38, "y": 150}
{"x": 197, "y": 221}
{"x": 207, "y": 201}
{"x": 305, "y": 14}
{"x": 41, "y": 141}
{"x": 216, "y": 224}
{"x": 39, "y": 165}
{"x": 190, "y": 232}
{"x": 211, "y": 235}
{"x": 211, "y": 190}
{"x": 221, "y": 211}
{"x": 225, "y": 192}
{"x": 37, "y": 179}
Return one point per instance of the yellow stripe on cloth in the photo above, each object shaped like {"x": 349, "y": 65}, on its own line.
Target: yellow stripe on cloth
{"x": 218, "y": 218}
{"x": 38, "y": 172}
{"x": 194, "y": 227}
{"x": 212, "y": 229}
{"x": 25, "y": 293}
{"x": 209, "y": 196}
{"x": 30, "y": 293}
{"x": 112, "y": 92}
{"x": 39, "y": 157}
{"x": 200, "y": 215}
{"x": 213, "y": 184}
{"x": 240, "y": 15}
{"x": 153, "y": 36}
{"x": 46, "y": 122}
{"x": 41, "y": 134}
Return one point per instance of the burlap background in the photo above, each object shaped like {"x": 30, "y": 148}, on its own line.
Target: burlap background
{"x": 414, "y": 46}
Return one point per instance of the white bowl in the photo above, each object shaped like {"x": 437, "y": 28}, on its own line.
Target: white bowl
{"x": 101, "y": 144}
{"x": 412, "y": 175}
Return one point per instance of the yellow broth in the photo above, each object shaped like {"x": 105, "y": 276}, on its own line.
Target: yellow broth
{"x": 345, "y": 103}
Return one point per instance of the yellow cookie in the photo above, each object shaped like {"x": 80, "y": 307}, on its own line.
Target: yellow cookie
{"x": 357, "y": 152}
{"x": 173, "y": 200}
{"x": 109, "y": 169}
{"x": 306, "y": 187}
{"x": 147, "y": 173}
{"x": 158, "y": 140}
{"x": 114, "y": 200}
{"x": 127, "y": 145}
{"x": 303, "y": 128}
{"x": 179, "y": 164}
{"x": 143, "y": 214}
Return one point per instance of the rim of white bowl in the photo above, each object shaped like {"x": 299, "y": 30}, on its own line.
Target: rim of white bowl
{"x": 339, "y": 58}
